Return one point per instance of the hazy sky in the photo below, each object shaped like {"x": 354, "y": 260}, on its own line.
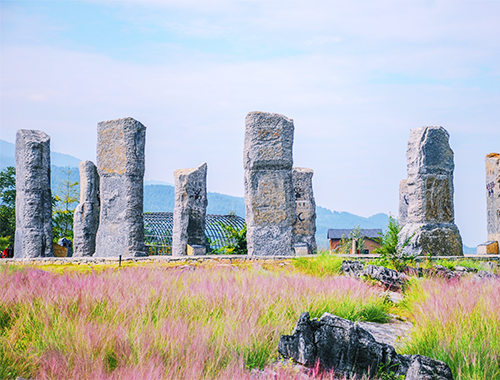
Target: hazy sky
{"x": 355, "y": 76}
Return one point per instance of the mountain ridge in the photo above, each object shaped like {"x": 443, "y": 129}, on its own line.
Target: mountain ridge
{"x": 159, "y": 196}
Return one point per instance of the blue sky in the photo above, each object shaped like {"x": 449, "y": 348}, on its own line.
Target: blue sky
{"x": 355, "y": 76}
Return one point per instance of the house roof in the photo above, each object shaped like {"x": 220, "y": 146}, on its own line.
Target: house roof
{"x": 368, "y": 233}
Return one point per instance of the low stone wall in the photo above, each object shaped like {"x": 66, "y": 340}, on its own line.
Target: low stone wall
{"x": 226, "y": 259}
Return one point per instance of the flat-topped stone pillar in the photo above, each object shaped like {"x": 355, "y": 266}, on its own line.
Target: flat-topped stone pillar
{"x": 120, "y": 164}
{"x": 190, "y": 210}
{"x": 304, "y": 229}
{"x": 403, "y": 203}
{"x": 269, "y": 195}
{"x": 493, "y": 196}
{"x": 33, "y": 237}
{"x": 430, "y": 221}
{"x": 86, "y": 218}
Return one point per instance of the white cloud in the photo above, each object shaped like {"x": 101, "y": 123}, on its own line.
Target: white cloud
{"x": 349, "y": 129}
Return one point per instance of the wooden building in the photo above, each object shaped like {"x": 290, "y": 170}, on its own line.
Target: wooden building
{"x": 371, "y": 236}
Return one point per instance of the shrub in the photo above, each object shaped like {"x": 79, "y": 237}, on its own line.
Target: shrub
{"x": 391, "y": 252}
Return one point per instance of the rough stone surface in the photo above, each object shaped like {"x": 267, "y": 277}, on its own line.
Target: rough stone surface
{"x": 493, "y": 196}
{"x": 86, "y": 218}
{"x": 33, "y": 236}
{"x": 304, "y": 229}
{"x": 390, "y": 278}
{"x": 352, "y": 268}
{"x": 120, "y": 164}
{"x": 488, "y": 248}
{"x": 430, "y": 221}
{"x": 269, "y": 196}
{"x": 484, "y": 275}
{"x": 388, "y": 333}
{"x": 403, "y": 202}
{"x": 344, "y": 346}
{"x": 190, "y": 209}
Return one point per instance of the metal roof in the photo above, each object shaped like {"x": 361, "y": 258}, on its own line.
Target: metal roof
{"x": 158, "y": 228}
{"x": 369, "y": 233}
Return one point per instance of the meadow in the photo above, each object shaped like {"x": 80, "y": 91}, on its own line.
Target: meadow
{"x": 220, "y": 321}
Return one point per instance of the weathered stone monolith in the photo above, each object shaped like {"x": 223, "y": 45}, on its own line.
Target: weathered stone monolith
{"x": 403, "y": 203}
{"x": 120, "y": 164}
{"x": 86, "y": 218}
{"x": 33, "y": 195}
{"x": 304, "y": 228}
{"x": 189, "y": 211}
{"x": 269, "y": 196}
{"x": 430, "y": 221}
{"x": 493, "y": 196}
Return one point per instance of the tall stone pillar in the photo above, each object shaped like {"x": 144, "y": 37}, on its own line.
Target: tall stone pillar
{"x": 493, "y": 196}
{"x": 33, "y": 195}
{"x": 86, "y": 218}
{"x": 431, "y": 220}
{"x": 189, "y": 211}
{"x": 269, "y": 196}
{"x": 403, "y": 203}
{"x": 120, "y": 164}
{"x": 304, "y": 228}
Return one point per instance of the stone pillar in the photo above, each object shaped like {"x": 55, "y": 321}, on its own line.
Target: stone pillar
{"x": 493, "y": 196}
{"x": 86, "y": 218}
{"x": 120, "y": 164}
{"x": 269, "y": 195}
{"x": 305, "y": 225}
{"x": 189, "y": 211}
{"x": 430, "y": 221}
{"x": 403, "y": 203}
{"x": 33, "y": 195}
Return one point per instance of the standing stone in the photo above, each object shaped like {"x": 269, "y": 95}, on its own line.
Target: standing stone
{"x": 269, "y": 195}
{"x": 403, "y": 202}
{"x": 33, "y": 195}
{"x": 190, "y": 211}
{"x": 86, "y": 218}
{"x": 120, "y": 164}
{"x": 305, "y": 225}
{"x": 493, "y": 196}
{"x": 430, "y": 221}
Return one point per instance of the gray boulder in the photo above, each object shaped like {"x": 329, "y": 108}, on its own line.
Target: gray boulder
{"x": 428, "y": 209}
{"x": 343, "y": 346}
{"x": 120, "y": 164}
{"x": 190, "y": 209}
{"x": 86, "y": 217}
{"x": 33, "y": 237}
{"x": 304, "y": 229}
{"x": 493, "y": 196}
{"x": 269, "y": 194}
{"x": 390, "y": 278}
{"x": 352, "y": 268}
{"x": 484, "y": 275}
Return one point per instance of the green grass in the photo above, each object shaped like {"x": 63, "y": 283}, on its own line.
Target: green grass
{"x": 320, "y": 265}
{"x": 458, "y": 323}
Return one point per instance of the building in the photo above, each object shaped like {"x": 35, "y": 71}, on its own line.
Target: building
{"x": 372, "y": 238}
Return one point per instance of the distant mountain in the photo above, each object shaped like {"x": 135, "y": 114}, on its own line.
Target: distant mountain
{"x": 159, "y": 196}
{"x": 8, "y": 157}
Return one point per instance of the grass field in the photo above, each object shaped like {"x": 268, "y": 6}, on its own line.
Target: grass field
{"x": 219, "y": 321}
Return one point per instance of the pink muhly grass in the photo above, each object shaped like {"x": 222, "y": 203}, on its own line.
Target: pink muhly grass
{"x": 159, "y": 323}
{"x": 458, "y": 322}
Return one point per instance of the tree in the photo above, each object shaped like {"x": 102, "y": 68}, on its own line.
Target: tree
{"x": 8, "y": 204}
{"x": 391, "y": 251}
{"x": 64, "y": 207}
